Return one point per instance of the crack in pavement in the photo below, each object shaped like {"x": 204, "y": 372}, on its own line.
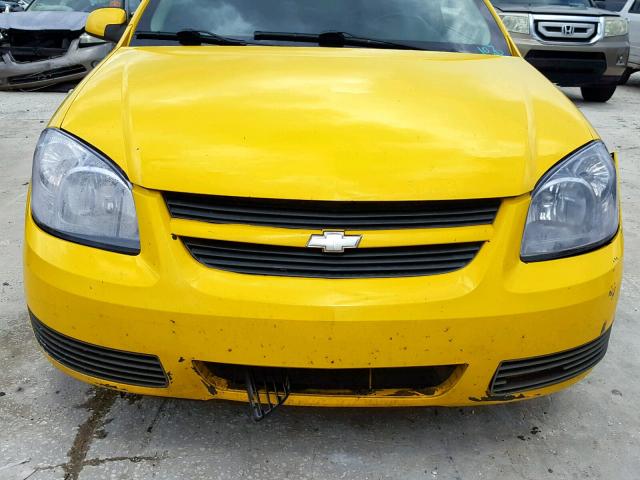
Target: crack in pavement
{"x": 99, "y": 405}
{"x": 134, "y": 459}
{"x": 99, "y": 461}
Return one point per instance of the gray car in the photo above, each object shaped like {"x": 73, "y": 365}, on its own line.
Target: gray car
{"x": 46, "y": 44}
{"x": 571, "y": 42}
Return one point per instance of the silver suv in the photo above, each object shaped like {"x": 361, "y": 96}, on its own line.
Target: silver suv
{"x": 629, "y": 9}
{"x": 571, "y": 42}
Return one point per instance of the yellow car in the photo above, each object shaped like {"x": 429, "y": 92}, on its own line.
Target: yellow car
{"x": 338, "y": 203}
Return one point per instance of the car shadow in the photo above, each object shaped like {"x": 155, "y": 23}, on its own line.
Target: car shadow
{"x": 573, "y": 93}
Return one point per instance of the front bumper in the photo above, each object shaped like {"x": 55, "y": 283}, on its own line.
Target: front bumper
{"x": 163, "y": 302}
{"x": 600, "y": 63}
{"x": 73, "y": 65}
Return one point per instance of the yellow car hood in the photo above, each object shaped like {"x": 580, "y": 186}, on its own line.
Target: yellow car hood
{"x": 325, "y": 123}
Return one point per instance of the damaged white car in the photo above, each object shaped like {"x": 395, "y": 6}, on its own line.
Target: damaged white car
{"x": 46, "y": 44}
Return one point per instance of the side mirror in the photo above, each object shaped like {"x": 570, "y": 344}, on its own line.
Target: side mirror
{"x": 107, "y": 23}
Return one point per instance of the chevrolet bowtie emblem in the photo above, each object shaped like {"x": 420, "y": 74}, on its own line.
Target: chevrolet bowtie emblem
{"x": 334, "y": 242}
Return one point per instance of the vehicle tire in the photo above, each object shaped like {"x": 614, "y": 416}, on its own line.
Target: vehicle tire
{"x": 625, "y": 76}
{"x": 598, "y": 93}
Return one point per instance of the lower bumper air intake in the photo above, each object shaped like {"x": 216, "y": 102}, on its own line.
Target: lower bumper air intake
{"x": 514, "y": 376}
{"x": 116, "y": 365}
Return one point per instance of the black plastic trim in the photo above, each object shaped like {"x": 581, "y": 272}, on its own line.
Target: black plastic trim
{"x": 285, "y": 261}
{"x": 51, "y": 74}
{"x": 532, "y": 373}
{"x": 340, "y": 381}
{"x": 326, "y": 214}
{"x": 131, "y": 368}
{"x": 113, "y": 32}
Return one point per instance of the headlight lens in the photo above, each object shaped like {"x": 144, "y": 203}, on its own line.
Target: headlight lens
{"x": 77, "y": 194}
{"x": 615, "y": 26}
{"x": 516, "y": 23}
{"x": 574, "y": 208}
{"x": 87, "y": 40}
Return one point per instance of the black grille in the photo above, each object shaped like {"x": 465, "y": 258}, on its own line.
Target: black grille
{"x": 258, "y": 259}
{"x": 553, "y": 61}
{"x": 34, "y": 45}
{"x": 323, "y": 214}
{"x": 47, "y": 75}
{"x": 339, "y": 380}
{"x": 568, "y": 68}
{"x": 537, "y": 372}
{"x": 100, "y": 362}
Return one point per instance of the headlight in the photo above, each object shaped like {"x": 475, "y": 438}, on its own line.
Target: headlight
{"x": 574, "y": 208}
{"x": 86, "y": 40}
{"x": 615, "y": 26}
{"x": 79, "y": 195}
{"x": 516, "y": 23}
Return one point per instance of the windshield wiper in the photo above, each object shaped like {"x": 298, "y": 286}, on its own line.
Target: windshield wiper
{"x": 331, "y": 39}
{"x": 190, "y": 37}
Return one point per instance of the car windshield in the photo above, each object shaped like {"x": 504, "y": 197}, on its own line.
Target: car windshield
{"x": 446, "y": 25}
{"x": 504, "y": 4}
{"x": 72, "y": 5}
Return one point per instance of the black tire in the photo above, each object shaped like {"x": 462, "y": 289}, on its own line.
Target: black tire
{"x": 598, "y": 93}
{"x": 625, "y": 76}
